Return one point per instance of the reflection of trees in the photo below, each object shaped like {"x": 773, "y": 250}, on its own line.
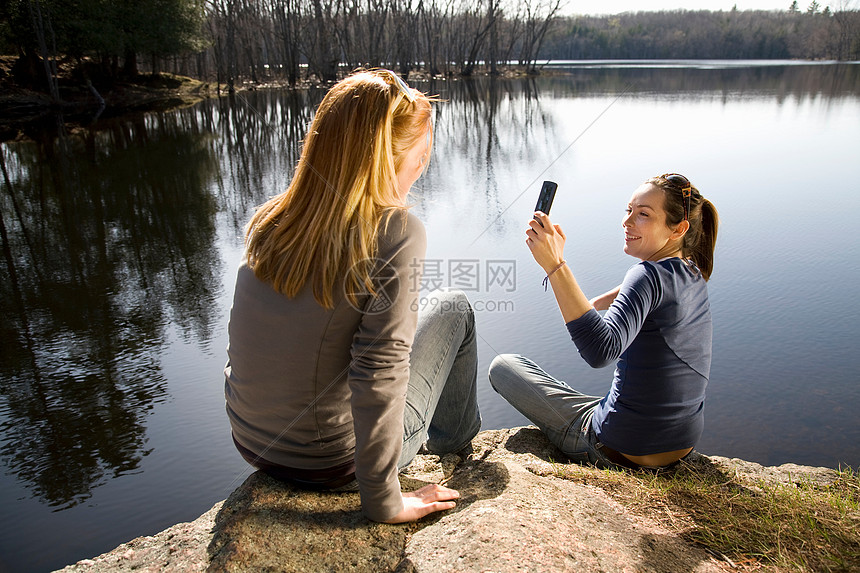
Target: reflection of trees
{"x": 485, "y": 123}
{"x": 484, "y": 126}
{"x": 793, "y": 80}
{"x": 107, "y": 236}
{"x": 259, "y": 140}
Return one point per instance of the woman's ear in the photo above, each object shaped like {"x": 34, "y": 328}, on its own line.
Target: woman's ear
{"x": 680, "y": 230}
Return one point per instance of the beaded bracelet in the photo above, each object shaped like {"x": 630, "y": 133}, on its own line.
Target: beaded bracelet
{"x": 546, "y": 278}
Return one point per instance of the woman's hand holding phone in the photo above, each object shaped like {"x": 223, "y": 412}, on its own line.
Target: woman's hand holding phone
{"x": 548, "y": 257}
{"x": 545, "y": 241}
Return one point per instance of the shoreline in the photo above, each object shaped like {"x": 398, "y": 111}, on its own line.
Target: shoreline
{"x": 25, "y": 111}
{"x": 28, "y": 113}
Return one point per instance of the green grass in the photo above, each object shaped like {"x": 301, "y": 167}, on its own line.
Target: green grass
{"x": 801, "y": 526}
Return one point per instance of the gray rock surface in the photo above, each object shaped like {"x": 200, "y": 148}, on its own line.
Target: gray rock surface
{"x": 182, "y": 547}
{"x": 514, "y": 514}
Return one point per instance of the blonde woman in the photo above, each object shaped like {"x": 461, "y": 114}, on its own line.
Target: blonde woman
{"x": 334, "y": 376}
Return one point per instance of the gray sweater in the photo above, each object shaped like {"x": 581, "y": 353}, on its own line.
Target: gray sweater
{"x": 312, "y": 388}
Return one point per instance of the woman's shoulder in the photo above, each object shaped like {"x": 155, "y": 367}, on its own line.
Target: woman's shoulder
{"x": 401, "y": 227}
{"x": 405, "y": 217}
{"x": 643, "y": 270}
{"x": 671, "y": 273}
{"x": 670, "y": 277}
{"x": 669, "y": 267}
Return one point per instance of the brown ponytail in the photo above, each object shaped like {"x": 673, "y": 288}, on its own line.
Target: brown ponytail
{"x": 701, "y": 238}
{"x": 702, "y": 252}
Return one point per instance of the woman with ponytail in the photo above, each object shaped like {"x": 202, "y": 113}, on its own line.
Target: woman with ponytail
{"x": 334, "y": 379}
{"x": 657, "y": 328}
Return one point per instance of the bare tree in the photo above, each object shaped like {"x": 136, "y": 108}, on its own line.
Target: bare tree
{"x": 539, "y": 14}
{"x": 45, "y": 33}
{"x": 288, "y": 19}
{"x": 323, "y": 59}
{"x": 348, "y": 16}
{"x": 222, "y": 28}
{"x": 377, "y": 18}
{"x": 493, "y": 49}
{"x": 404, "y": 19}
{"x": 478, "y": 24}
{"x": 435, "y": 18}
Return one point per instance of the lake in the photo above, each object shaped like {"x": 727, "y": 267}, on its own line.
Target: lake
{"x": 121, "y": 240}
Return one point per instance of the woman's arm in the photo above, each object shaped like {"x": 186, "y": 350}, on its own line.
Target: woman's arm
{"x": 602, "y": 340}
{"x": 379, "y": 369}
{"x": 602, "y": 302}
{"x": 378, "y": 377}
{"x": 546, "y": 244}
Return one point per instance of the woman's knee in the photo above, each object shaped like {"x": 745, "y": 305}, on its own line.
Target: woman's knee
{"x": 452, "y": 307}
{"x": 453, "y": 301}
{"x": 503, "y": 371}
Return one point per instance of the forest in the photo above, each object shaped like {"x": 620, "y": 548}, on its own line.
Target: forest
{"x": 236, "y": 42}
{"x": 810, "y": 34}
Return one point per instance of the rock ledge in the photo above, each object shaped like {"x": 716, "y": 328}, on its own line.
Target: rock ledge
{"x": 514, "y": 514}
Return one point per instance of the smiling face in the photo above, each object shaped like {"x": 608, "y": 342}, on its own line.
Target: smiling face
{"x": 646, "y": 235}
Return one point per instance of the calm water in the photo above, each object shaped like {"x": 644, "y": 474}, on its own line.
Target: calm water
{"x": 123, "y": 238}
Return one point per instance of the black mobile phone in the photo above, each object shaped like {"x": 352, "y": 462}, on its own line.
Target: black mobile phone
{"x": 547, "y": 194}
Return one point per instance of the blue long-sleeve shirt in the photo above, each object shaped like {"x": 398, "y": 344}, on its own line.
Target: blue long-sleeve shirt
{"x": 659, "y": 330}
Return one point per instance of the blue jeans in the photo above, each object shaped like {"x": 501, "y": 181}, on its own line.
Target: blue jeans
{"x": 442, "y": 397}
{"x": 562, "y": 414}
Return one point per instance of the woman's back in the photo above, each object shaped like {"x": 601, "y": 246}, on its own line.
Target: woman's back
{"x": 321, "y": 367}
{"x": 659, "y": 329}
{"x": 292, "y": 361}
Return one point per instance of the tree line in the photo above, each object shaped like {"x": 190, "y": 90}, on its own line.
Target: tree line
{"x": 294, "y": 39}
{"x": 264, "y": 40}
{"x": 108, "y": 37}
{"x": 291, "y": 41}
{"x": 813, "y": 34}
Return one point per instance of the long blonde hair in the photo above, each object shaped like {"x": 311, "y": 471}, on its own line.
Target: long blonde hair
{"x": 326, "y": 225}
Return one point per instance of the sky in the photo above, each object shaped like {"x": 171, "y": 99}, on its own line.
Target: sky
{"x": 616, "y": 6}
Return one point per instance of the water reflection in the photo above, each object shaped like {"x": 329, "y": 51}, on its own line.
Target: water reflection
{"x": 259, "y": 141}
{"x": 109, "y": 245}
{"x": 483, "y": 124}
{"x": 104, "y": 245}
{"x": 110, "y": 235}
{"x": 674, "y": 80}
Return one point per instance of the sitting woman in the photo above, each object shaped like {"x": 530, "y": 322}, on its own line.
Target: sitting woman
{"x": 333, "y": 375}
{"x": 657, "y": 326}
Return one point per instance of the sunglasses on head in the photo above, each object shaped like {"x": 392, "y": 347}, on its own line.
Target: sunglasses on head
{"x": 683, "y": 184}
{"x": 402, "y": 86}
